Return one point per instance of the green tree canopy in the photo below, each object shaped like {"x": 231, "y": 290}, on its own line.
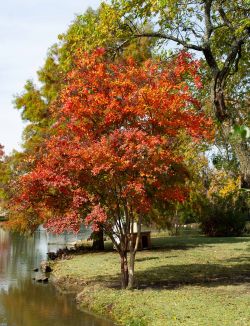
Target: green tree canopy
{"x": 219, "y": 31}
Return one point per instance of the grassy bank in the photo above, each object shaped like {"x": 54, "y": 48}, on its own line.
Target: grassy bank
{"x": 181, "y": 281}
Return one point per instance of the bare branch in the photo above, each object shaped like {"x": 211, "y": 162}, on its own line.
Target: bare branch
{"x": 196, "y": 34}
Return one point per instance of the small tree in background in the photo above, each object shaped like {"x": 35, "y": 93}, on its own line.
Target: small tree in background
{"x": 113, "y": 155}
{"x": 225, "y": 210}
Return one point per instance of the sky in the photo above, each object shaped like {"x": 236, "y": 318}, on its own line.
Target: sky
{"x": 27, "y": 29}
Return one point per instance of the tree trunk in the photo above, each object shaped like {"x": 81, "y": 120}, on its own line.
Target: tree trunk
{"x": 131, "y": 270}
{"x": 98, "y": 240}
{"x": 133, "y": 249}
{"x": 218, "y": 98}
{"x": 242, "y": 152}
{"x": 239, "y": 145}
{"x": 124, "y": 270}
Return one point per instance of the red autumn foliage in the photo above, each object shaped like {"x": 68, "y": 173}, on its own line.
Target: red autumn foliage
{"x": 112, "y": 155}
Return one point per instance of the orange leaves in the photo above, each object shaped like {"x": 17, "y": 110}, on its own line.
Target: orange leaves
{"x": 96, "y": 217}
{"x": 115, "y": 140}
{"x": 104, "y": 94}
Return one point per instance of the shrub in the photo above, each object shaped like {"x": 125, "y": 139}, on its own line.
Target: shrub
{"x": 224, "y": 216}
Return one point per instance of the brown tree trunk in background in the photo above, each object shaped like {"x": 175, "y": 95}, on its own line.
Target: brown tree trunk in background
{"x": 242, "y": 152}
{"x": 98, "y": 240}
{"x": 241, "y": 149}
{"x": 220, "y": 75}
{"x": 239, "y": 145}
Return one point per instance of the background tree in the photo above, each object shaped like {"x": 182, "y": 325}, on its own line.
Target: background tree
{"x": 88, "y": 31}
{"x": 219, "y": 30}
{"x": 225, "y": 208}
{"x": 215, "y": 199}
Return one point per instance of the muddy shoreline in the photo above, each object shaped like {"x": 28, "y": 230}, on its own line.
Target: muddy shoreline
{"x": 78, "y": 289}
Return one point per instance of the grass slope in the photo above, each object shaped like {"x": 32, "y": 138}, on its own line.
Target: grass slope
{"x": 181, "y": 281}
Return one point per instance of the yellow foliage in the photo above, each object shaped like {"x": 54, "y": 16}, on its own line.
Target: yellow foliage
{"x": 223, "y": 184}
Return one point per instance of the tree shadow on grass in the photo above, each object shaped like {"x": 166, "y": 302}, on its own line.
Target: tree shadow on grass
{"x": 176, "y": 276}
{"x": 147, "y": 258}
{"x": 239, "y": 259}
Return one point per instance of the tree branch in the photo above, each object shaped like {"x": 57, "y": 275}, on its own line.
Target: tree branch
{"x": 237, "y": 60}
{"x": 235, "y": 50}
{"x": 224, "y": 18}
{"x": 171, "y": 38}
{"x": 208, "y": 23}
{"x": 211, "y": 60}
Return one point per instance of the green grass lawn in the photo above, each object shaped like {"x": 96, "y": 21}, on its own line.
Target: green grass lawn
{"x": 182, "y": 281}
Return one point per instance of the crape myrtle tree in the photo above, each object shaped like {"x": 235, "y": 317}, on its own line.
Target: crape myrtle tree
{"x": 219, "y": 31}
{"x": 89, "y": 30}
{"x": 113, "y": 154}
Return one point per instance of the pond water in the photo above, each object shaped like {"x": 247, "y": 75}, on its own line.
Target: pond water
{"x": 23, "y": 302}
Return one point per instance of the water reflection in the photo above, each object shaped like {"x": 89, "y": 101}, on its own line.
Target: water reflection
{"x": 24, "y": 302}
